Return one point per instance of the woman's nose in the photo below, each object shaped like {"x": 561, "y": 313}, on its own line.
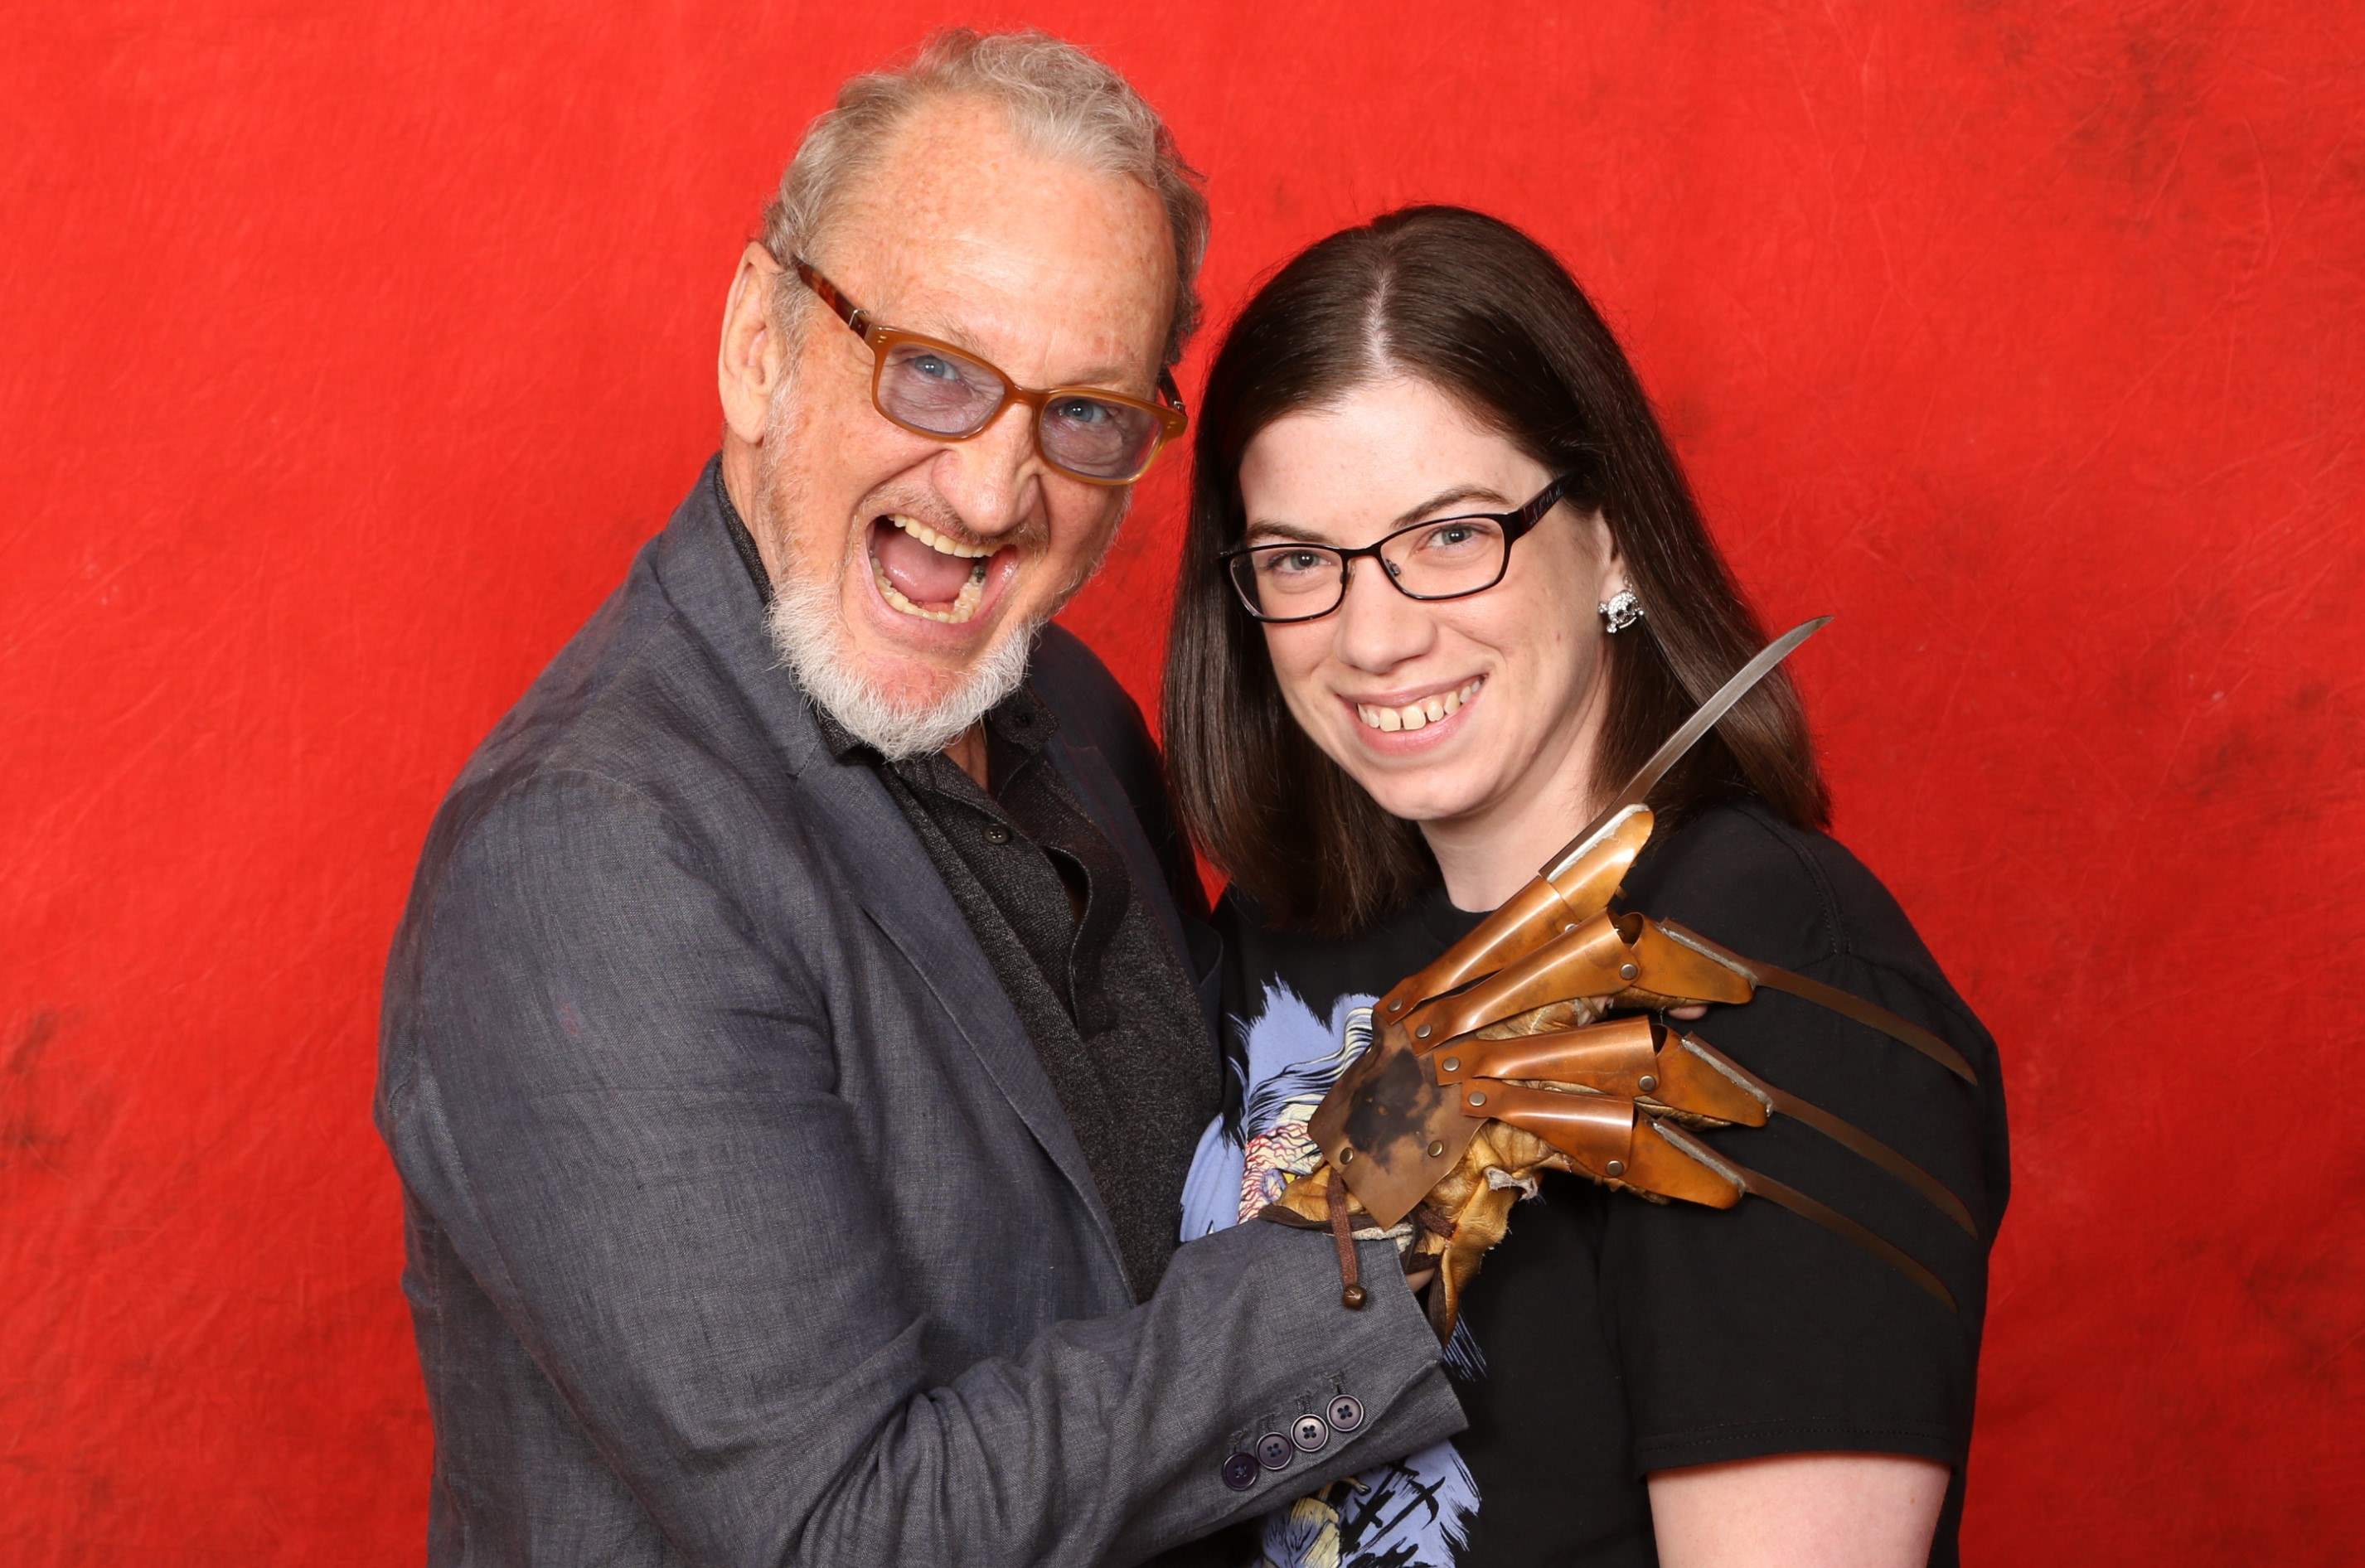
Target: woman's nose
{"x": 1379, "y": 627}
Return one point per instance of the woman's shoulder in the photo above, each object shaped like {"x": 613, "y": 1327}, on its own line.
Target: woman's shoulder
{"x": 1369, "y": 958}
{"x": 1737, "y": 872}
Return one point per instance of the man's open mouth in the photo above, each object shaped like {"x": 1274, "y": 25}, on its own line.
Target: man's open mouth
{"x": 921, "y": 572}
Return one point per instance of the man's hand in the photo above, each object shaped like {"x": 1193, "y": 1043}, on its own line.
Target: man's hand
{"x": 1446, "y": 1238}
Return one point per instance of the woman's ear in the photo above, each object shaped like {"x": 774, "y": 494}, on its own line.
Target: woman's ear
{"x": 753, "y": 359}
{"x": 1612, "y": 574}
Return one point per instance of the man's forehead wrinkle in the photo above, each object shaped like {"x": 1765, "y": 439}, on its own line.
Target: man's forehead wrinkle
{"x": 1063, "y": 347}
{"x": 1060, "y": 274}
{"x": 1029, "y": 317}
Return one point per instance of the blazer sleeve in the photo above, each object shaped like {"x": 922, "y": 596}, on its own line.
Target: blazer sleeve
{"x": 623, "y": 1111}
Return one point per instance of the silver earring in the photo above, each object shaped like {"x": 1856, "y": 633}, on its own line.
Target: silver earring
{"x": 1620, "y": 611}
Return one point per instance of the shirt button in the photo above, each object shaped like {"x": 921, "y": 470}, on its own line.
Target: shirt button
{"x": 1274, "y": 1451}
{"x": 1346, "y": 1413}
{"x": 1239, "y": 1472}
{"x": 997, "y": 834}
{"x": 1310, "y": 1433}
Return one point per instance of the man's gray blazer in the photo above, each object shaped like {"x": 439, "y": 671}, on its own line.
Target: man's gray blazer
{"x": 743, "y": 1224}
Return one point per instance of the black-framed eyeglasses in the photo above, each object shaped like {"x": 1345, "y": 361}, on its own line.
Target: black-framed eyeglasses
{"x": 932, "y": 388}
{"x": 1445, "y": 557}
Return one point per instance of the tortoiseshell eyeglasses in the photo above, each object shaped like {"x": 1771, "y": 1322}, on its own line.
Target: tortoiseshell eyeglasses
{"x": 932, "y": 388}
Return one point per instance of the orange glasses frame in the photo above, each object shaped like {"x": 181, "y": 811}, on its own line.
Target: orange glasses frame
{"x": 1172, "y": 420}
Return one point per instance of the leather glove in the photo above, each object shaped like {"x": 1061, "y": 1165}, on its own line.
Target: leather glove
{"x": 1463, "y": 1218}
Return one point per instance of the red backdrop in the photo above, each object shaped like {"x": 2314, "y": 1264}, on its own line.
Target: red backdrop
{"x": 350, "y": 352}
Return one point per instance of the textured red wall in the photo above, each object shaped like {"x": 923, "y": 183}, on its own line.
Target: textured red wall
{"x": 348, "y": 351}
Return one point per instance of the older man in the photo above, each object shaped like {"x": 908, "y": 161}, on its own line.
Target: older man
{"x": 789, "y": 1052}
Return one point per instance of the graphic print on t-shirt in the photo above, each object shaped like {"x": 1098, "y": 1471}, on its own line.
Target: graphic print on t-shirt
{"x": 1416, "y": 1512}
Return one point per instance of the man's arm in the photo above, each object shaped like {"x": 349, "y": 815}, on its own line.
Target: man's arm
{"x": 624, "y": 1114}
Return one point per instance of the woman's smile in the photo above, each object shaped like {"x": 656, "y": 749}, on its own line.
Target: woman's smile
{"x": 1420, "y": 720}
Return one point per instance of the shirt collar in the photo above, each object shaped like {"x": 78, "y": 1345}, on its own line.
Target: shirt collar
{"x": 1022, "y": 721}
{"x": 742, "y": 540}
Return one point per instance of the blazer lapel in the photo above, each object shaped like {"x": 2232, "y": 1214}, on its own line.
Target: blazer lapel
{"x": 880, "y": 858}
{"x": 898, "y": 887}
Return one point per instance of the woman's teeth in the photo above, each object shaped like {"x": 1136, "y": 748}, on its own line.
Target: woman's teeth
{"x": 1414, "y": 715}
{"x": 964, "y": 603}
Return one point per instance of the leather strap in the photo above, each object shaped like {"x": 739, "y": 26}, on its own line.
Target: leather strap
{"x": 1351, "y": 1284}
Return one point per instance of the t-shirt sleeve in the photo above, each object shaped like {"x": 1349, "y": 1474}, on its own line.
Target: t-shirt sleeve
{"x": 1756, "y": 1331}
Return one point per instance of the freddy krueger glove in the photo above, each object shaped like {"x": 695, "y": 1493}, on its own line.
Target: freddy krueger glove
{"x": 1498, "y": 1062}
{"x": 1450, "y": 1231}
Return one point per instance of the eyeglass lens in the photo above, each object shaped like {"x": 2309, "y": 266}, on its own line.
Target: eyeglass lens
{"x": 1438, "y": 560}
{"x": 942, "y": 393}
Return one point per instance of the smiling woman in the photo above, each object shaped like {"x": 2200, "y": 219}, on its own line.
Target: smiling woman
{"x": 1444, "y": 588}
{"x": 1489, "y": 629}
{"x": 1456, "y": 333}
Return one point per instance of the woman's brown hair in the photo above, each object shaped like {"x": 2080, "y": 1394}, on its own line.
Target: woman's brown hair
{"x": 1474, "y": 308}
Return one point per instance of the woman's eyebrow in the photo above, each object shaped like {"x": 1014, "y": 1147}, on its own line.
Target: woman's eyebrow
{"x": 1454, "y": 496}
{"x": 1287, "y": 531}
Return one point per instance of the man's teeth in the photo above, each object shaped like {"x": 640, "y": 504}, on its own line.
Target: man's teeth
{"x": 963, "y": 606}
{"x": 964, "y": 603}
{"x": 937, "y": 541}
{"x": 1414, "y": 715}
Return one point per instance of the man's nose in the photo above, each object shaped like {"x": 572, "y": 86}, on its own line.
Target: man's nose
{"x": 992, "y": 479}
{"x": 1378, "y": 627}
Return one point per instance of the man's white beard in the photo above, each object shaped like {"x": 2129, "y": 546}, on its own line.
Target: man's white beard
{"x": 808, "y": 634}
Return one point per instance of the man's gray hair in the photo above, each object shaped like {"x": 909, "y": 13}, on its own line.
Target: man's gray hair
{"x": 1061, "y": 100}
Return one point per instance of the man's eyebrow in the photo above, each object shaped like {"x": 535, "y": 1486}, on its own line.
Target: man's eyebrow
{"x": 950, "y": 328}
{"x": 1107, "y": 377}
{"x": 953, "y": 331}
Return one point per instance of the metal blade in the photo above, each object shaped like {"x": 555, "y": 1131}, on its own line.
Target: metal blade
{"x": 1684, "y": 739}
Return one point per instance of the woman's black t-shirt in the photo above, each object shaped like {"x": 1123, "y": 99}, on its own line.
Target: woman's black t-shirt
{"x": 1607, "y": 1336}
